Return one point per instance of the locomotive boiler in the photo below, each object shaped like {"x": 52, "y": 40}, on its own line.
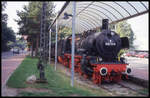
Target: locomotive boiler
{"x": 96, "y": 54}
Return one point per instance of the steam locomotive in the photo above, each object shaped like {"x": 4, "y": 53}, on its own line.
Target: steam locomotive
{"x": 96, "y": 54}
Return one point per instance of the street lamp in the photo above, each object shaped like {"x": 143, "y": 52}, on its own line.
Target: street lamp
{"x": 66, "y": 15}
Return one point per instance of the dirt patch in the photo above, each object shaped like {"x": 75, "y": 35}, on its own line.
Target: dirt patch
{"x": 9, "y": 91}
{"x": 74, "y": 95}
{"x": 32, "y": 90}
{"x": 16, "y": 91}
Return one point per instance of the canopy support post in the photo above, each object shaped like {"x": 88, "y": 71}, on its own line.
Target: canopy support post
{"x": 50, "y": 46}
{"x": 56, "y": 46}
{"x": 73, "y": 43}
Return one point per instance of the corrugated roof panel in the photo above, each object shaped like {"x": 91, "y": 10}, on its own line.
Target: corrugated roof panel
{"x": 89, "y": 15}
{"x": 118, "y": 8}
{"x": 110, "y": 8}
{"x": 145, "y": 4}
{"x": 138, "y": 6}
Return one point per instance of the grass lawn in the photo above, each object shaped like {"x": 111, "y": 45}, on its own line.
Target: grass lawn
{"x": 58, "y": 83}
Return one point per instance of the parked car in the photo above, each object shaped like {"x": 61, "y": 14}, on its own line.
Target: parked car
{"x": 146, "y": 56}
{"x": 16, "y": 51}
{"x": 142, "y": 55}
{"x": 128, "y": 54}
{"x": 131, "y": 53}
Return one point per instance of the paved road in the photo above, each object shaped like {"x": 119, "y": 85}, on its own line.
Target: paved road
{"x": 9, "y": 54}
{"x": 9, "y": 64}
{"x": 6, "y": 54}
{"x": 139, "y": 67}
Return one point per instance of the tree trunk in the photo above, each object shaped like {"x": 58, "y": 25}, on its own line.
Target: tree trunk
{"x": 37, "y": 45}
{"x": 32, "y": 49}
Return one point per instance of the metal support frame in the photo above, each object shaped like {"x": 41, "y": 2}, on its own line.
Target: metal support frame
{"x": 91, "y": 18}
{"x": 86, "y": 12}
{"x": 129, "y": 17}
{"x": 133, "y": 7}
{"x": 81, "y": 25}
{"x": 85, "y": 23}
{"x": 73, "y": 43}
{"x": 143, "y": 5}
{"x": 122, "y": 8}
{"x": 56, "y": 45}
{"x": 44, "y": 33}
{"x": 63, "y": 8}
{"x": 79, "y": 12}
{"x": 91, "y": 9}
{"x": 50, "y": 46}
{"x": 101, "y": 12}
{"x": 43, "y": 37}
{"x": 87, "y": 7}
{"x": 112, "y": 8}
{"x": 90, "y": 22}
{"x": 104, "y": 9}
{"x": 86, "y": 26}
{"x": 92, "y": 14}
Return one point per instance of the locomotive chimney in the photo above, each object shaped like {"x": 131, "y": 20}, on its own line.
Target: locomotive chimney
{"x": 105, "y": 24}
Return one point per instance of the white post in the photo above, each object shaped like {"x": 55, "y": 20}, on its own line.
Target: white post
{"x": 56, "y": 46}
{"x": 50, "y": 46}
{"x": 73, "y": 43}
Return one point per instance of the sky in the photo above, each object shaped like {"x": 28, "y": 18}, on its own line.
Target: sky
{"x": 138, "y": 24}
{"x": 11, "y": 8}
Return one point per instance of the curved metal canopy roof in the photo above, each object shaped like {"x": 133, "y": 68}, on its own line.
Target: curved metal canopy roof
{"x": 89, "y": 15}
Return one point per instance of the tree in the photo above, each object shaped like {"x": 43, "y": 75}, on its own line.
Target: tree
{"x": 21, "y": 43}
{"x": 8, "y": 35}
{"x": 30, "y": 22}
{"x": 4, "y": 15}
{"x": 64, "y": 31}
{"x": 124, "y": 30}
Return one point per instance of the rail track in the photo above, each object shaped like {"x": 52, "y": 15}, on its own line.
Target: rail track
{"x": 123, "y": 88}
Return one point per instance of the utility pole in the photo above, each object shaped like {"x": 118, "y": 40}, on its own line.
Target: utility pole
{"x": 42, "y": 58}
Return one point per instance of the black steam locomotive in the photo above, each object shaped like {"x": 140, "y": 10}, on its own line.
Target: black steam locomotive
{"x": 96, "y": 54}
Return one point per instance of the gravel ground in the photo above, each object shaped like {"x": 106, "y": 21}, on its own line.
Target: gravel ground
{"x": 139, "y": 67}
{"x": 113, "y": 89}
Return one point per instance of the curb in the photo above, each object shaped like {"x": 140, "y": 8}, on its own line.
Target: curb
{"x": 142, "y": 82}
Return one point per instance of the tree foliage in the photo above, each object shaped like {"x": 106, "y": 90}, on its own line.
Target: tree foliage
{"x": 30, "y": 18}
{"x": 4, "y": 15}
{"x": 30, "y": 21}
{"x": 64, "y": 31}
{"x": 8, "y": 35}
{"x": 124, "y": 30}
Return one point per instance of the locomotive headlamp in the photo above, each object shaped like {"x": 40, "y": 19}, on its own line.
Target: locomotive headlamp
{"x": 103, "y": 71}
{"x": 128, "y": 70}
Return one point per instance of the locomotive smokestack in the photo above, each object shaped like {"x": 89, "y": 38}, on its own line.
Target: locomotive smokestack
{"x": 105, "y": 24}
